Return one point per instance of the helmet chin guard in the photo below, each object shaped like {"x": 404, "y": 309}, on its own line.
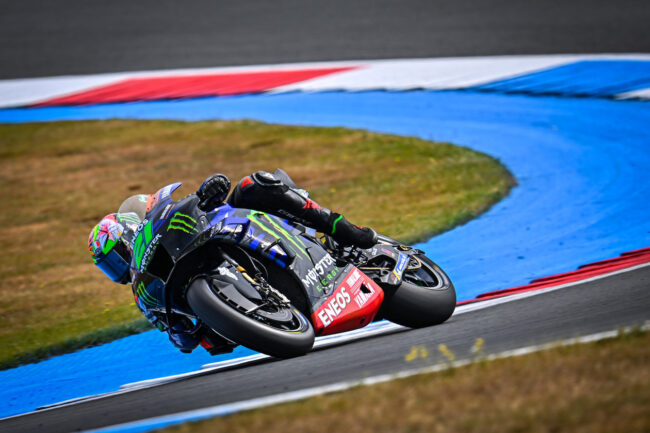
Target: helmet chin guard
{"x": 109, "y": 251}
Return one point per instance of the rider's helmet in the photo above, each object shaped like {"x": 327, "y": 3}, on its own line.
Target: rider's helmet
{"x": 109, "y": 242}
{"x": 109, "y": 251}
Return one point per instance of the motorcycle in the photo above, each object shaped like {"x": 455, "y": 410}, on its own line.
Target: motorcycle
{"x": 250, "y": 278}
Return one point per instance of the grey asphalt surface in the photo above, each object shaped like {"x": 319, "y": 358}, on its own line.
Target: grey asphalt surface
{"x": 44, "y": 37}
{"x": 602, "y": 305}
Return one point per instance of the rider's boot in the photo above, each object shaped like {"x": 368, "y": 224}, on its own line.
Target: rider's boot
{"x": 276, "y": 193}
{"x": 346, "y": 233}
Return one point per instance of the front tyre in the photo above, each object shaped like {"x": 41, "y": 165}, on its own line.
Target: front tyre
{"x": 282, "y": 332}
{"x": 426, "y": 296}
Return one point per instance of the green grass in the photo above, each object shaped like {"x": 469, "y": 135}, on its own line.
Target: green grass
{"x": 59, "y": 179}
{"x": 597, "y": 388}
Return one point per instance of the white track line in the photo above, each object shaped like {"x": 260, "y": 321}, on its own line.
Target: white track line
{"x": 256, "y": 403}
{"x": 510, "y": 298}
{"x": 378, "y": 328}
{"x": 374, "y": 329}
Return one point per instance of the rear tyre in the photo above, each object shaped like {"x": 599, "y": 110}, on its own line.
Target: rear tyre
{"x": 291, "y": 336}
{"x": 426, "y": 296}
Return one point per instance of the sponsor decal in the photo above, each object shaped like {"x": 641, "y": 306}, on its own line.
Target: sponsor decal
{"x": 143, "y": 295}
{"x": 327, "y": 279}
{"x": 142, "y": 236}
{"x": 143, "y": 245}
{"x": 182, "y": 222}
{"x": 361, "y": 298}
{"x": 314, "y": 274}
{"x": 166, "y": 212}
{"x": 148, "y": 252}
{"x": 142, "y": 224}
{"x": 349, "y": 291}
{"x": 276, "y": 230}
{"x": 130, "y": 219}
{"x": 166, "y": 192}
{"x": 353, "y": 278}
{"x": 148, "y": 297}
{"x": 334, "y": 307}
{"x": 401, "y": 265}
{"x": 288, "y": 215}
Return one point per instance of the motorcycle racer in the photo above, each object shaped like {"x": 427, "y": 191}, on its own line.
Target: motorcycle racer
{"x": 110, "y": 241}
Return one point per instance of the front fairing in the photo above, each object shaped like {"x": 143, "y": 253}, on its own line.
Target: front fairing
{"x": 173, "y": 227}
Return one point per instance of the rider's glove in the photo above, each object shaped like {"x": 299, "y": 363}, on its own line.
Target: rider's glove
{"x": 213, "y": 191}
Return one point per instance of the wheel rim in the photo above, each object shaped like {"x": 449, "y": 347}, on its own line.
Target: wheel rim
{"x": 291, "y": 321}
{"x": 270, "y": 311}
{"x": 423, "y": 275}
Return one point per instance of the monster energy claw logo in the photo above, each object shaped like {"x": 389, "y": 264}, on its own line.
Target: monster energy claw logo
{"x": 145, "y": 296}
{"x": 182, "y": 222}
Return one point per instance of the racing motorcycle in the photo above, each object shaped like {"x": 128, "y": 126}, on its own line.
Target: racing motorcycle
{"x": 245, "y": 277}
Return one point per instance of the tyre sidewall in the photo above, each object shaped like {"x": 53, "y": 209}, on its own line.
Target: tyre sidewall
{"x": 235, "y": 326}
{"x": 414, "y": 306}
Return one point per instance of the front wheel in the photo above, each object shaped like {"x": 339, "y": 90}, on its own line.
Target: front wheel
{"x": 426, "y": 296}
{"x": 272, "y": 328}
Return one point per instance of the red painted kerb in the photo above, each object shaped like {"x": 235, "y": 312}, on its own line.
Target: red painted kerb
{"x": 626, "y": 260}
{"x": 189, "y": 86}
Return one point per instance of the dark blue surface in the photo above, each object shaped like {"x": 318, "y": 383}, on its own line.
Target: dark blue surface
{"x": 601, "y": 78}
{"x": 582, "y": 167}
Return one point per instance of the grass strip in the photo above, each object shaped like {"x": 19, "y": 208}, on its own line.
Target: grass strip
{"x": 596, "y": 387}
{"x": 59, "y": 179}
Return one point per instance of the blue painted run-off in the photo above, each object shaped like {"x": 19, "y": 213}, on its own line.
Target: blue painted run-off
{"x": 600, "y": 78}
{"x": 582, "y": 167}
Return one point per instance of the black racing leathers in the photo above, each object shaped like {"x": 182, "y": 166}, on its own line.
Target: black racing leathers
{"x": 276, "y": 193}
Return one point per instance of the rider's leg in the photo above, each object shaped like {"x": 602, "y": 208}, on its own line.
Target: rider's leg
{"x": 180, "y": 337}
{"x": 272, "y": 193}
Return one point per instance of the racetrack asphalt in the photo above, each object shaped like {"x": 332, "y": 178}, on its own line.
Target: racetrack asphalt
{"x": 43, "y": 38}
{"x": 586, "y": 308}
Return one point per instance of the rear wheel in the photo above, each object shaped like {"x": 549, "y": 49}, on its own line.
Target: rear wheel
{"x": 426, "y": 296}
{"x": 271, "y": 326}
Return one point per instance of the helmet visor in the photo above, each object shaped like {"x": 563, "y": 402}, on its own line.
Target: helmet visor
{"x": 116, "y": 264}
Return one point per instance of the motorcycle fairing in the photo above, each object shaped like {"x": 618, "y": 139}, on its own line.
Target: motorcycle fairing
{"x": 340, "y": 298}
{"x": 282, "y": 243}
{"x": 353, "y": 304}
{"x": 173, "y": 226}
{"x": 163, "y": 195}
